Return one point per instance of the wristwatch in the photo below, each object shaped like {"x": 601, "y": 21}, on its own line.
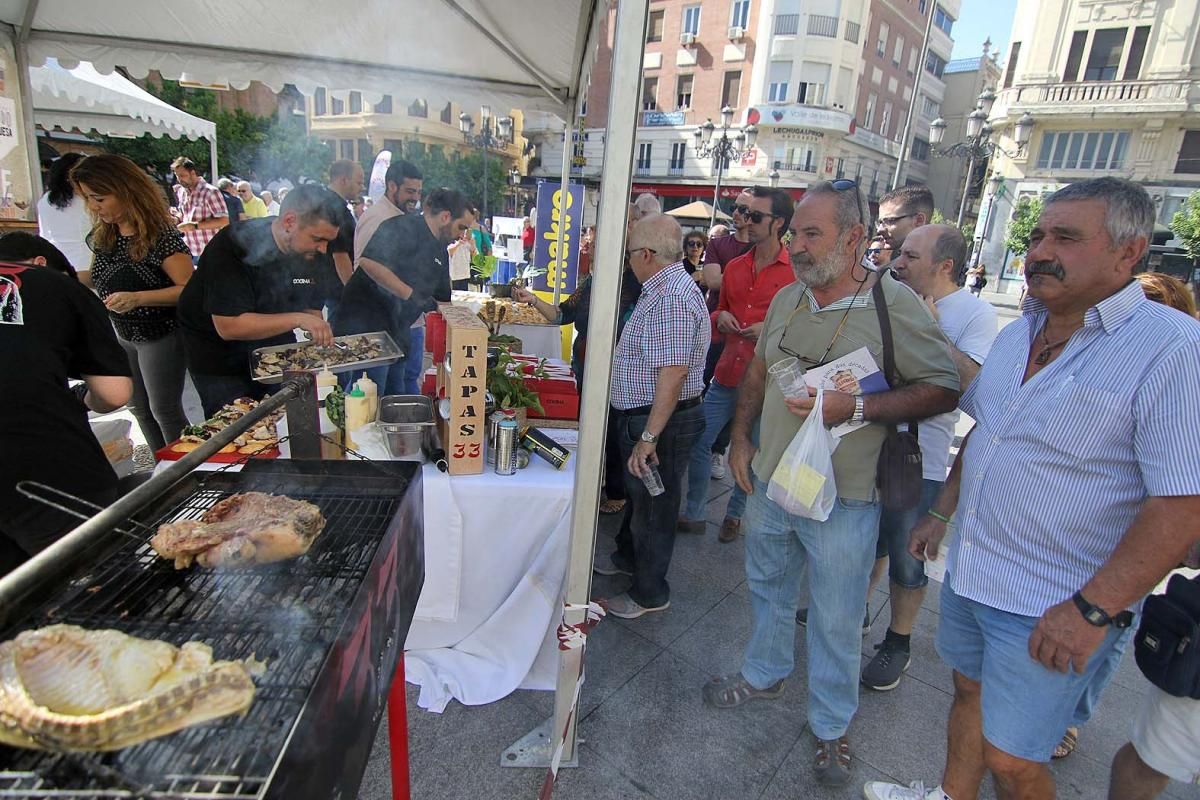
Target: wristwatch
{"x": 1095, "y": 615}
{"x": 649, "y": 438}
{"x": 857, "y": 416}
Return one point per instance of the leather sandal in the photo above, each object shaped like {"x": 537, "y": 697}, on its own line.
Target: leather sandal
{"x": 832, "y": 762}
{"x": 733, "y": 690}
{"x": 1068, "y": 744}
{"x": 612, "y": 506}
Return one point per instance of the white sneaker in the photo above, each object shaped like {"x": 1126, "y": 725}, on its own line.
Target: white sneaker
{"x": 718, "y": 467}
{"x": 879, "y": 790}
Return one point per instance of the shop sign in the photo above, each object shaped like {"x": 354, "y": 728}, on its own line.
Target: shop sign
{"x": 662, "y": 119}
{"x": 557, "y": 211}
{"x": 8, "y": 126}
{"x": 798, "y": 116}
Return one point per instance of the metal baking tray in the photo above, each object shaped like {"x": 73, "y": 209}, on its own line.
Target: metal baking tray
{"x": 407, "y": 425}
{"x": 390, "y": 354}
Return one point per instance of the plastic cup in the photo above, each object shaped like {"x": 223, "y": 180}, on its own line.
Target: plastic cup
{"x": 789, "y": 377}
{"x": 653, "y": 481}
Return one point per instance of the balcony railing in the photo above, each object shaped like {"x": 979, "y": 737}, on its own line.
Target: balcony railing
{"x": 795, "y": 166}
{"x": 1091, "y": 92}
{"x": 787, "y": 24}
{"x": 641, "y": 170}
{"x": 822, "y": 25}
{"x": 675, "y": 172}
{"x": 852, "y": 30}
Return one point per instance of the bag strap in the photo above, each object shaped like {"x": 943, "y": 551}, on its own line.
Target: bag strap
{"x": 885, "y": 333}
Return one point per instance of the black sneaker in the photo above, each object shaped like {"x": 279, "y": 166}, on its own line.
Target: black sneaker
{"x": 883, "y": 671}
{"x": 802, "y": 619}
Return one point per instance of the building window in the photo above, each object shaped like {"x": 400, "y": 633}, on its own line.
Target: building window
{"x": 320, "y": 108}
{"x": 739, "y": 15}
{"x": 881, "y": 39}
{"x": 1083, "y": 150}
{"x": 346, "y": 149}
{"x": 1188, "y": 162}
{"x": 1010, "y": 71}
{"x": 777, "y": 86}
{"x": 852, "y": 30}
{"x": 337, "y": 105}
{"x": 649, "y": 94}
{"x": 419, "y": 108}
{"x": 678, "y": 151}
{"x": 920, "y": 149}
{"x": 841, "y": 169}
{"x": 1137, "y": 51}
{"x": 364, "y": 150}
{"x": 384, "y": 106}
{"x": 921, "y": 7}
{"x": 654, "y": 31}
{"x": 869, "y": 113}
{"x": 943, "y": 20}
{"x": 683, "y": 92}
{"x": 1105, "y": 55}
{"x": 356, "y": 102}
{"x": 731, "y": 89}
{"x": 447, "y": 112}
{"x": 811, "y": 94}
{"x": 930, "y": 108}
{"x": 898, "y": 51}
{"x": 913, "y": 54}
{"x": 691, "y": 20}
{"x": 885, "y": 121}
{"x": 935, "y": 65}
{"x": 643, "y": 158}
{"x": 1075, "y": 56}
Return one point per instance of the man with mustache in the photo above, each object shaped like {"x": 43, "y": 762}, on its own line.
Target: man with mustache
{"x": 827, "y": 313}
{"x": 1086, "y": 441}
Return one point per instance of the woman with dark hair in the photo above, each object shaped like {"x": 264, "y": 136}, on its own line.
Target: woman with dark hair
{"x": 694, "y": 243}
{"x": 139, "y": 267}
{"x": 62, "y": 214}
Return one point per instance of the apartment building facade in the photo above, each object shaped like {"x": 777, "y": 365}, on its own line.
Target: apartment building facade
{"x": 795, "y": 72}
{"x": 1112, "y": 89}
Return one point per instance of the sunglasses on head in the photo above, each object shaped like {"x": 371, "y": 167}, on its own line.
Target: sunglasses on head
{"x": 754, "y": 216}
{"x": 843, "y": 184}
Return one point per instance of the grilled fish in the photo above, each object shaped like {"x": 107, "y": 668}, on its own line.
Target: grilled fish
{"x": 65, "y": 688}
{"x": 249, "y": 528}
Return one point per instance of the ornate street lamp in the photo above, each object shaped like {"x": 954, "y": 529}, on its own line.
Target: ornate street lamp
{"x": 724, "y": 148}
{"x": 494, "y": 134}
{"x": 773, "y": 178}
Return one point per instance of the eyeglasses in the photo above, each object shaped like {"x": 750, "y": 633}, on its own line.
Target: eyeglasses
{"x": 888, "y": 222}
{"x": 633, "y": 250}
{"x": 754, "y": 216}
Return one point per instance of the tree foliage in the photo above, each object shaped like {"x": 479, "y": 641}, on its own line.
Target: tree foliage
{"x": 247, "y": 145}
{"x": 461, "y": 172}
{"x": 1020, "y": 227}
{"x": 1186, "y": 225}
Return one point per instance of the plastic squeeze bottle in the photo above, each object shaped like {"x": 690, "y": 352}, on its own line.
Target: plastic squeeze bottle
{"x": 371, "y": 390}
{"x": 357, "y": 407}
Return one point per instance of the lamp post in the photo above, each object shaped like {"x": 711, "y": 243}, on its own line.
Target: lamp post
{"x": 493, "y": 135}
{"x": 773, "y": 178}
{"x": 723, "y": 148}
{"x": 514, "y": 180}
{"x": 978, "y": 144}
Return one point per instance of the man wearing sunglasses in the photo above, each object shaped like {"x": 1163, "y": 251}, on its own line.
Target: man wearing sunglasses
{"x": 826, "y": 314}
{"x": 902, "y": 211}
{"x": 657, "y": 377}
{"x": 751, "y": 281}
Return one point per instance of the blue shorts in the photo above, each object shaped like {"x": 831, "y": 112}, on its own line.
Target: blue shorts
{"x": 894, "y": 528}
{"x": 1026, "y": 707}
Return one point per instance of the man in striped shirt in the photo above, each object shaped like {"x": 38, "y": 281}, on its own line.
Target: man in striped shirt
{"x": 1075, "y": 494}
{"x": 657, "y": 377}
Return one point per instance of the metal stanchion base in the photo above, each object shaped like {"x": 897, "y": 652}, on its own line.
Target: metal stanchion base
{"x": 536, "y": 749}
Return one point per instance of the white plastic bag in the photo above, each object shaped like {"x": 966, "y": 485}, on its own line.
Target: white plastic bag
{"x": 803, "y": 482}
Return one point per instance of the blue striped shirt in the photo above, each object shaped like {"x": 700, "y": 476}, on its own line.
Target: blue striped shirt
{"x": 1057, "y": 468}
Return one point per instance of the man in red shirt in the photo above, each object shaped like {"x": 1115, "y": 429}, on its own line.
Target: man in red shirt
{"x": 749, "y": 283}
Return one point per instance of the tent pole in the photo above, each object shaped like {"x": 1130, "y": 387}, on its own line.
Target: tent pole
{"x": 21, "y": 56}
{"x": 212, "y": 159}
{"x": 538, "y": 748}
{"x": 563, "y": 187}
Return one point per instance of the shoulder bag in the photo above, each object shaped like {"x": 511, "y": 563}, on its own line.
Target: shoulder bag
{"x": 898, "y": 472}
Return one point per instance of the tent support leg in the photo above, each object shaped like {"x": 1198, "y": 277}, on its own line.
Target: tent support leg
{"x": 212, "y": 160}
{"x": 629, "y": 39}
{"x": 21, "y": 54}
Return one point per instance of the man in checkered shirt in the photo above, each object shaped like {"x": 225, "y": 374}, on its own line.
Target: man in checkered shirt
{"x": 202, "y": 209}
{"x": 657, "y": 377}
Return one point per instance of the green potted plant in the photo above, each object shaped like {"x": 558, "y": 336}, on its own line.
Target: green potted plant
{"x": 484, "y": 269}
{"x": 506, "y": 383}
{"x": 525, "y": 275}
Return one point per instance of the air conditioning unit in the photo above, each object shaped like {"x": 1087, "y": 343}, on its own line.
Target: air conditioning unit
{"x": 687, "y": 39}
{"x": 736, "y": 33}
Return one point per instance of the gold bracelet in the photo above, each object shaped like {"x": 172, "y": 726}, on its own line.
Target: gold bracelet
{"x": 938, "y": 515}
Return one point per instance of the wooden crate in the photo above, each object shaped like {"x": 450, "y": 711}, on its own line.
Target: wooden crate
{"x": 464, "y": 383}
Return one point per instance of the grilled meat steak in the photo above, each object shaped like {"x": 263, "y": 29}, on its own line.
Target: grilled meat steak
{"x": 249, "y": 528}
{"x": 64, "y": 688}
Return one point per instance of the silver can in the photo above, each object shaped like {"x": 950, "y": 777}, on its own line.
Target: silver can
{"x": 506, "y": 446}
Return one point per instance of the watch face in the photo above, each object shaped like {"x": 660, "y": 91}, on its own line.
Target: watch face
{"x": 1096, "y": 617}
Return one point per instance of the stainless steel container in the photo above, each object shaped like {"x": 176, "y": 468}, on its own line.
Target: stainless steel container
{"x": 506, "y": 446}
{"x": 406, "y": 421}
{"x": 494, "y": 419}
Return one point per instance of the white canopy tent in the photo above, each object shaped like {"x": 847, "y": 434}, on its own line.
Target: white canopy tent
{"x": 85, "y": 100}
{"x": 528, "y": 54}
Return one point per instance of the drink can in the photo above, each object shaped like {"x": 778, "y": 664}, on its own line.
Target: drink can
{"x": 542, "y": 445}
{"x": 506, "y": 445}
{"x": 653, "y": 480}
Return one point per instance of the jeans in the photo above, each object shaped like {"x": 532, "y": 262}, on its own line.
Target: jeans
{"x": 838, "y": 555}
{"x": 614, "y": 466}
{"x": 719, "y": 404}
{"x": 157, "y": 402}
{"x": 414, "y": 363}
{"x": 217, "y": 390}
{"x": 894, "y": 529}
{"x": 647, "y": 536}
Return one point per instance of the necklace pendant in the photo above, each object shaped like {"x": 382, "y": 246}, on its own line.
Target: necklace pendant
{"x": 1041, "y": 358}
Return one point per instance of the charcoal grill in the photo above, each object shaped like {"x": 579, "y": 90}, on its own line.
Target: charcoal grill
{"x": 331, "y": 626}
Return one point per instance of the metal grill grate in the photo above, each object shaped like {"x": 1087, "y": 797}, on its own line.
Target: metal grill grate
{"x": 287, "y": 614}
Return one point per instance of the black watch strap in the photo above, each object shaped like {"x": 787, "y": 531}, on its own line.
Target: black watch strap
{"x": 1097, "y": 616}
